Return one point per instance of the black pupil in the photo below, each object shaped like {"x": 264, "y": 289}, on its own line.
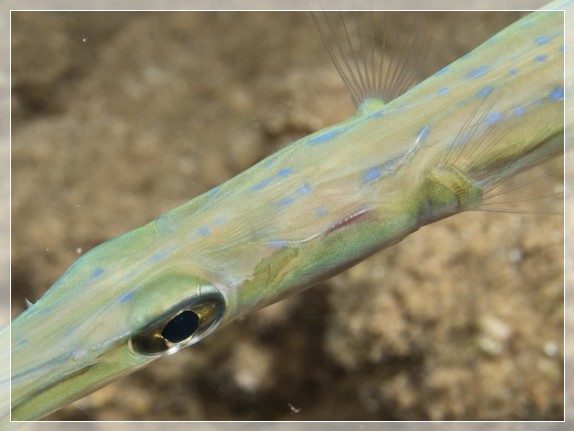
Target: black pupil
{"x": 181, "y": 327}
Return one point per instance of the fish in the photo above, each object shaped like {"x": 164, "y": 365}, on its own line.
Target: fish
{"x": 282, "y": 250}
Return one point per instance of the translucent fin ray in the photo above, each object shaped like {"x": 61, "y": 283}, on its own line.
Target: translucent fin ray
{"x": 362, "y": 57}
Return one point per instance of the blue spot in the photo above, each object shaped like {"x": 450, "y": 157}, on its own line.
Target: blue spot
{"x": 485, "y": 91}
{"x": 493, "y": 117}
{"x": 270, "y": 163}
{"x": 519, "y": 111}
{"x": 493, "y": 39}
{"x": 260, "y": 185}
{"x": 203, "y": 230}
{"x": 556, "y": 94}
{"x": 375, "y": 114}
{"x": 442, "y": 71}
{"x": 277, "y": 243}
{"x": 158, "y": 256}
{"x": 542, "y": 40}
{"x": 562, "y": 49}
{"x": 305, "y": 188}
{"x": 219, "y": 220}
{"x": 285, "y": 172}
{"x": 96, "y": 273}
{"x": 477, "y": 73}
{"x": 513, "y": 71}
{"x": 286, "y": 201}
{"x": 526, "y": 23}
{"x": 327, "y": 135}
{"x": 423, "y": 133}
{"x": 126, "y": 297}
{"x": 321, "y": 211}
{"x": 372, "y": 174}
{"x": 540, "y": 58}
{"x": 213, "y": 191}
{"x": 443, "y": 91}
{"x": 164, "y": 224}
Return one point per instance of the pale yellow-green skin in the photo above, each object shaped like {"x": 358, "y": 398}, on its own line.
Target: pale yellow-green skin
{"x": 303, "y": 214}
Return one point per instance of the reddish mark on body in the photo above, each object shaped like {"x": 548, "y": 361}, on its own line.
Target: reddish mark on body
{"x": 359, "y": 215}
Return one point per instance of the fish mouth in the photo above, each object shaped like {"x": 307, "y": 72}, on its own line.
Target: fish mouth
{"x": 21, "y": 408}
{"x": 48, "y": 386}
{"x": 47, "y": 374}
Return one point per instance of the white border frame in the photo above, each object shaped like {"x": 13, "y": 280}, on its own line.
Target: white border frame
{"x": 173, "y": 5}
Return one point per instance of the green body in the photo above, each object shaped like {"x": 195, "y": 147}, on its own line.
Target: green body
{"x": 303, "y": 214}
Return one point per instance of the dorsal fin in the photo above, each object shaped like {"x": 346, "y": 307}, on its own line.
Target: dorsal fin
{"x": 360, "y": 50}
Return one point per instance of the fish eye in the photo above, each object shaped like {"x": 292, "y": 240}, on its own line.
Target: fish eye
{"x": 182, "y": 326}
